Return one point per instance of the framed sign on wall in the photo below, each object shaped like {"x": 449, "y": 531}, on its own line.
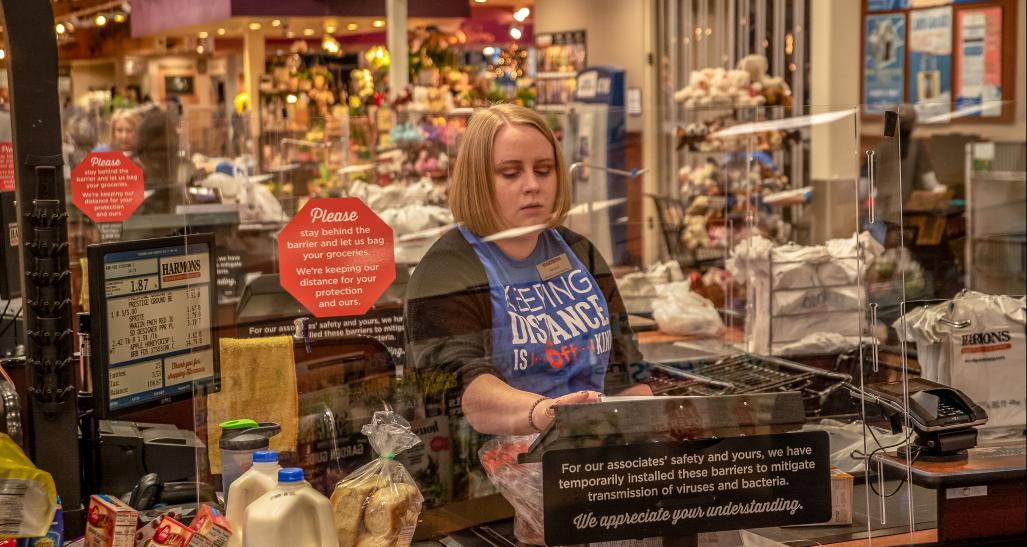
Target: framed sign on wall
{"x": 179, "y": 85}
{"x": 955, "y": 60}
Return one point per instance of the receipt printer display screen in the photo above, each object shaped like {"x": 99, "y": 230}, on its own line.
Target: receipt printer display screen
{"x": 932, "y": 405}
{"x": 153, "y": 321}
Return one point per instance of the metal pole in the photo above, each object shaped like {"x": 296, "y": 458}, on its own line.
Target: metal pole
{"x": 399, "y": 49}
{"x": 43, "y": 227}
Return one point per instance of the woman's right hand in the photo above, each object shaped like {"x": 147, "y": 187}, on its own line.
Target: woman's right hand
{"x": 543, "y": 415}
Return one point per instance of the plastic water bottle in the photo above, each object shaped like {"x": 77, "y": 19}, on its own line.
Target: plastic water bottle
{"x": 261, "y": 477}
{"x": 292, "y": 514}
{"x": 239, "y": 440}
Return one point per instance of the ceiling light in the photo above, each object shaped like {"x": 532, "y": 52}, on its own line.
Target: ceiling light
{"x": 290, "y": 34}
{"x": 308, "y": 32}
{"x": 255, "y": 26}
{"x": 330, "y": 44}
{"x": 352, "y": 26}
{"x": 203, "y": 35}
{"x": 119, "y": 17}
{"x": 221, "y": 32}
{"x": 276, "y": 23}
{"x": 515, "y": 33}
{"x": 378, "y": 23}
{"x": 60, "y": 28}
{"x": 3, "y": 54}
{"x": 330, "y": 29}
{"x": 199, "y": 49}
{"x": 489, "y": 51}
{"x": 480, "y": 1}
{"x": 521, "y": 14}
{"x": 101, "y": 20}
{"x": 291, "y": 99}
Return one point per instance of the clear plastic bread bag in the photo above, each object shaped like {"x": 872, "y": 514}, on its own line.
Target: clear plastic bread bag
{"x": 520, "y": 484}
{"x": 378, "y": 504}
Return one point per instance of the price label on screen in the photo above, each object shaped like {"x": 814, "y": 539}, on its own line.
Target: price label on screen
{"x": 158, "y": 314}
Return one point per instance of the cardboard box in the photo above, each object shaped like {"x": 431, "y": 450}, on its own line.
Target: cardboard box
{"x": 212, "y": 525}
{"x": 841, "y": 497}
{"x": 110, "y": 522}
{"x": 171, "y": 533}
{"x": 841, "y": 500}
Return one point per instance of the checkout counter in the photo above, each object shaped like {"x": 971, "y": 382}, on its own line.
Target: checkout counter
{"x": 979, "y": 494}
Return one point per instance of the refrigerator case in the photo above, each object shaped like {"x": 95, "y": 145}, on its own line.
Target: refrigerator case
{"x": 594, "y": 137}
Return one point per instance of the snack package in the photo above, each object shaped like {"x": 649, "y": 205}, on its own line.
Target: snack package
{"x": 520, "y": 484}
{"x": 171, "y": 533}
{"x": 110, "y": 522}
{"x": 144, "y": 535}
{"x": 379, "y": 503}
{"x": 212, "y": 525}
{"x": 53, "y": 538}
{"x": 28, "y": 499}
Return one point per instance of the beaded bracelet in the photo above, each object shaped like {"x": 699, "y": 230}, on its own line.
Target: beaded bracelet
{"x": 531, "y": 413}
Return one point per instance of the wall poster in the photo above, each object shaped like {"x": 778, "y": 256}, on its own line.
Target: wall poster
{"x": 930, "y": 61}
{"x": 886, "y": 5}
{"x": 979, "y": 61}
{"x": 884, "y": 54}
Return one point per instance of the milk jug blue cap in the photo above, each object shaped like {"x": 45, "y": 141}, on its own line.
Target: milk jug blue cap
{"x": 290, "y": 474}
{"x": 265, "y": 456}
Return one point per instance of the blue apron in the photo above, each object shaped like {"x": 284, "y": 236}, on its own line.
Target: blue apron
{"x": 550, "y": 321}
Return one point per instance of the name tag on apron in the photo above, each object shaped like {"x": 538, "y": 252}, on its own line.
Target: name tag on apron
{"x": 553, "y": 267}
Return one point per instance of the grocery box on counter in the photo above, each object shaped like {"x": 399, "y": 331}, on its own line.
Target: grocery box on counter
{"x": 110, "y": 522}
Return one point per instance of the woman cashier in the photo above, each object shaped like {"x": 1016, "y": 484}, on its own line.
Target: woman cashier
{"x": 521, "y": 313}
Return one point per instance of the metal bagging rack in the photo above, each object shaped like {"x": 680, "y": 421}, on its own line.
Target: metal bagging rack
{"x": 747, "y": 373}
{"x": 819, "y": 304}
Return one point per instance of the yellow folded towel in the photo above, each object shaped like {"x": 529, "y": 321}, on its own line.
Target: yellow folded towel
{"x": 83, "y": 295}
{"x": 258, "y": 381}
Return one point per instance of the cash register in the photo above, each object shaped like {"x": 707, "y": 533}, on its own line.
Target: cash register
{"x": 152, "y": 332}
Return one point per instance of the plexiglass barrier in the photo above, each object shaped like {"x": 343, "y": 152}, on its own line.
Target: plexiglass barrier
{"x": 321, "y": 275}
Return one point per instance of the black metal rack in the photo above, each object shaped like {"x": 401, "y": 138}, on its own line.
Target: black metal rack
{"x": 746, "y": 373}
{"x": 43, "y": 226}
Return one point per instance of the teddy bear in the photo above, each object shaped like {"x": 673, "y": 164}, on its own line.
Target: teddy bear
{"x": 404, "y": 133}
{"x": 420, "y": 102}
{"x": 437, "y": 99}
{"x": 389, "y": 166}
{"x": 777, "y": 93}
{"x": 320, "y": 94}
{"x": 698, "y": 89}
{"x": 695, "y": 234}
{"x": 691, "y": 134}
{"x": 700, "y": 206}
{"x": 426, "y": 164}
{"x": 773, "y": 88}
{"x": 699, "y": 179}
{"x": 719, "y": 88}
{"x": 722, "y": 92}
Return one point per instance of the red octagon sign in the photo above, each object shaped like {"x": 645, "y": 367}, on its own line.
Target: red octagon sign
{"x": 107, "y": 186}
{"x": 336, "y": 257}
{"x": 6, "y": 166}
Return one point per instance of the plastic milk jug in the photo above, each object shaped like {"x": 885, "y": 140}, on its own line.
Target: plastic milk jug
{"x": 255, "y": 482}
{"x": 292, "y": 514}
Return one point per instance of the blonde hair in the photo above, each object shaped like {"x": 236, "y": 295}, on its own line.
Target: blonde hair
{"x": 124, "y": 115}
{"x": 472, "y": 195}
